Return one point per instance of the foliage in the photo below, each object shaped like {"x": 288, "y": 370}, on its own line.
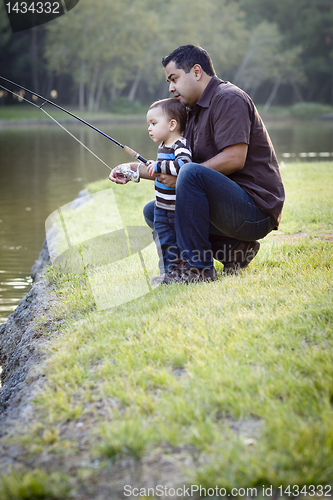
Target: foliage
{"x": 305, "y": 110}
{"x": 101, "y": 44}
{"x": 307, "y": 24}
{"x": 4, "y": 27}
{"x": 266, "y": 61}
{"x": 124, "y": 106}
{"x": 108, "y": 48}
{"x": 35, "y": 485}
{"x": 111, "y": 47}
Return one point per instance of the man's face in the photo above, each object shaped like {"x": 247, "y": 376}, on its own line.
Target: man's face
{"x": 184, "y": 86}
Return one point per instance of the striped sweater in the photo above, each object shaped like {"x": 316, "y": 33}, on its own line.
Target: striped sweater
{"x": 169, "y": 161}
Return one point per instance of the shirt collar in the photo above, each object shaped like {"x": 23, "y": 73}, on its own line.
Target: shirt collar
{"x": 208, "y": 93}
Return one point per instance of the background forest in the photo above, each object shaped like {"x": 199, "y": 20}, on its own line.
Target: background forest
{"x": 108, "y": 51}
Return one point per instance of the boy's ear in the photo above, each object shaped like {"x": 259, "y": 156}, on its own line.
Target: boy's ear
{"x": 173, "y": 124}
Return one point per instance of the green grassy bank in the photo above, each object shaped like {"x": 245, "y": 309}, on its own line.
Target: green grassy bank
{"x": 25, "y": 112}
{"x": 127, "y": 110}
{"x": 226, "y": 384}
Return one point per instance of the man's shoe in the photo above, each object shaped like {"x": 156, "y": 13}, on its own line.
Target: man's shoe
{"x": 241, "y": 256}
{"x": 184, "y": 273}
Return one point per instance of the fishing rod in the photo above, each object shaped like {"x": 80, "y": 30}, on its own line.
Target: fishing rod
{"x": 127, "y": 149}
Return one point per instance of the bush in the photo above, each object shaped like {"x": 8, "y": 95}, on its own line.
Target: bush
{"x": 306, "y": 110}
{"x": 124, "y": 106}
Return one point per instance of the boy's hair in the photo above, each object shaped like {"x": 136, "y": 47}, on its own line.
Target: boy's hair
{"x": 173, "y": 109}
{"x": 186, "y": 56}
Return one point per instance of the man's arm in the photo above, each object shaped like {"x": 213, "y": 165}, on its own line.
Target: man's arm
{"x": 229, "y": 160}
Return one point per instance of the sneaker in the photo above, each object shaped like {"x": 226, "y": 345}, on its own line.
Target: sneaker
{"x": 241, "y": 256}
{"x": 184, "y": 273}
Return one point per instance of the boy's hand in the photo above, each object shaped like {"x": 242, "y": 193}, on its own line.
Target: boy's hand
{"x": 151, "y": 168}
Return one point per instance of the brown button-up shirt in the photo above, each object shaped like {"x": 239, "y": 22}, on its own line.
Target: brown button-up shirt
{"x": 223, "y": 116}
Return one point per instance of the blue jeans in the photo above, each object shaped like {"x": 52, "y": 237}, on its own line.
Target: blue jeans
{"x": 164, "y": 234}
{"x": 213, "y": 214}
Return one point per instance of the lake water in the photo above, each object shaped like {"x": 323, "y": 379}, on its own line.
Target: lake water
{"x": 43, "y": 168}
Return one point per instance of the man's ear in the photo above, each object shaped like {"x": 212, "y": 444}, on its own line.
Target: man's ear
{"x": 197, "y": 71}
{"x": 173, "y": 124}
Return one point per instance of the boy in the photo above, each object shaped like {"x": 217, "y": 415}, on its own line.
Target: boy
{"x": 166, "y": 123}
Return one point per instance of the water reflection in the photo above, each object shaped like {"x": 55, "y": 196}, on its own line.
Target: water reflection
{"x": 43, "y": 168}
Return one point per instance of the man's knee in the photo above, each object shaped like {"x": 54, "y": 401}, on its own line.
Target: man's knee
{"x": 189, "y": 171}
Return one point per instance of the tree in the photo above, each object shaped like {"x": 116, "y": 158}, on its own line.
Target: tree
{"x": 107, "y": 45}
{"x": 307, "y": 24}
{"x": 102, "y": 45}
{"x": 266, "y": 61}
{"x": 5, "y": 32}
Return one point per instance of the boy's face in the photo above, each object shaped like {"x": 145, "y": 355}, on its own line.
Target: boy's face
{"x": 184, "y": 86}
{"x": 159, "y": 125}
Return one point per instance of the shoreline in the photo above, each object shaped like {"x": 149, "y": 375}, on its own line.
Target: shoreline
{"x": 122, "y": 119}
{"x": 22, "y": 357}
{"x": 141, "y": 118}
{"x": 20, "y": 343}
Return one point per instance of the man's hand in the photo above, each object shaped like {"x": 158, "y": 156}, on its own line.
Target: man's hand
{"x": 168, "y": 180}
{"x": 117, "y": 177}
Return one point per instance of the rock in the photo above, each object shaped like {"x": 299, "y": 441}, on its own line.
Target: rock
{"x": 42, "y": 261}
{"x": 19, "y": 349}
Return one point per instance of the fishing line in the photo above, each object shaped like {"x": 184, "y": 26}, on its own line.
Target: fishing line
{"x": 128, "y": 150}
{"x": 64, "y": 128}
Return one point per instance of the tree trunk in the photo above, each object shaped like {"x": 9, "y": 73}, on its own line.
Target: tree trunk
{"x": 92, "y": 89}
{"x": 253, "y": 91}
{"x": 115, "y": 93}
{"x": 272, "y": 96}
{"x": 99, "y": 93}
{"x": 81, "y": 87}
{"x": 297, "y": 93}
{"x": 49, "y": 85}
{"x": 135, "y": 85}
{"x": 238, "y": 78}
{"x": 34, "y": 60}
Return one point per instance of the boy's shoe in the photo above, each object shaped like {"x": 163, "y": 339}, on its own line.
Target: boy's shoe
{"x": 241, "y": 256}
{"x": 130, "y": 174}
{"x": 184, "y": 273}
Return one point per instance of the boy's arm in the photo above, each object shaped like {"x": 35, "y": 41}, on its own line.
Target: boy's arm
{"x": 171, "y": 167}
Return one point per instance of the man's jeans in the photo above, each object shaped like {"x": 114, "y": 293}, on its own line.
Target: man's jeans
{"x": 165, "y": 238}
{"x": 212, "y": 215}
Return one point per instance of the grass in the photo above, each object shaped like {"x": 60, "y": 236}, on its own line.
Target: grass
{"x": 125, "y": 110}
{"x": 24, "y": 111}
{"x": 34, "y": 485}
{"x": 232, "y": 380}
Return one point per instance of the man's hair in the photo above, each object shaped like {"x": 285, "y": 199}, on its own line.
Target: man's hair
{"x": 186, "y": 56}
{"x": 174, "y": 110}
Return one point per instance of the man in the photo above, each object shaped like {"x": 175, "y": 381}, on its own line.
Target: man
{"x": 232, "y": 194}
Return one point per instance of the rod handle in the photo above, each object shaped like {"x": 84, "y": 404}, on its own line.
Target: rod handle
{"x": 135, "y": 155}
